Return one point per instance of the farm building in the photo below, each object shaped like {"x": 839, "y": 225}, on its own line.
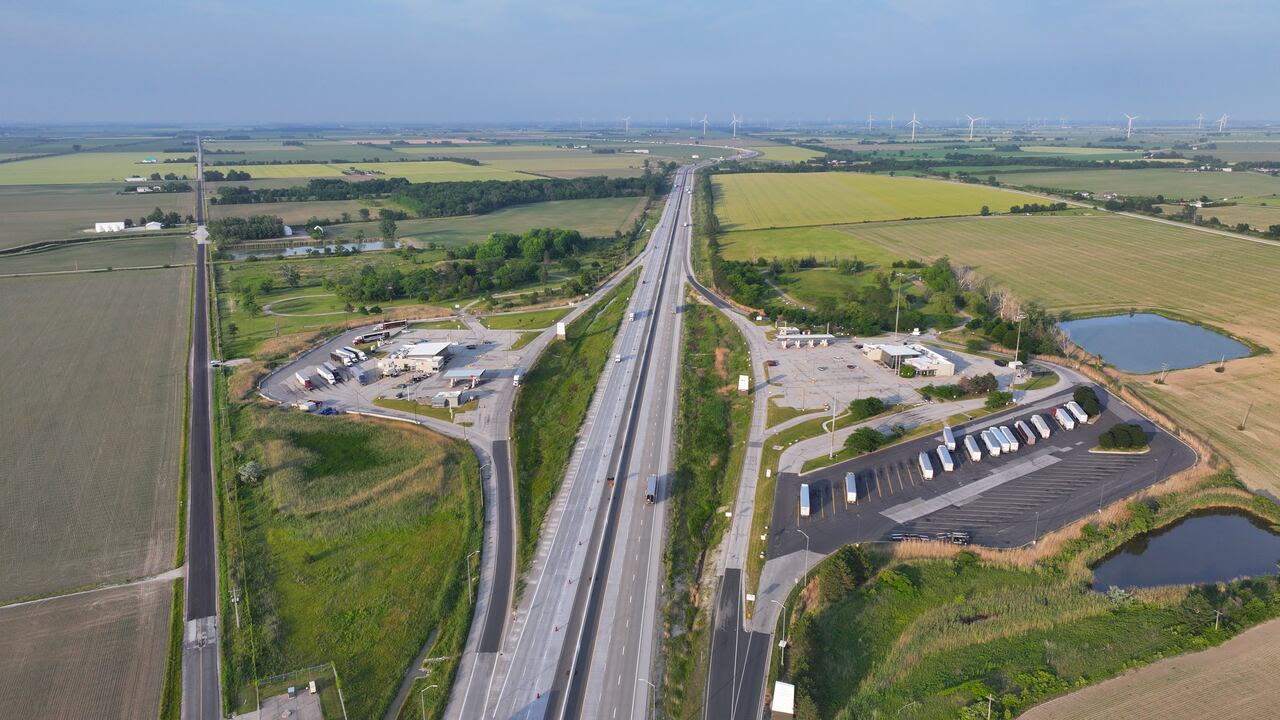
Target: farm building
{"x": 108, "y": 226}
{"x": 419, "y": 357}
{"x": 153, "y": 225}
{"x": 135, "y": 178}
{"x": 926, "y": 362}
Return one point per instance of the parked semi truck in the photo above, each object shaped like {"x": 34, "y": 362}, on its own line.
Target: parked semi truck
{"x": 948, "y": 464}
{"x": 304, "y": 381}
{"x": 850, "y": 488}
{"x": 1025, "y": 433}
{"x": 340, "y": 358}
{"x": 948, "y": 437}
{"x": 391, "y": 325}
{"x": 333, "y": 369}
{"x": 971, "y": 447}
{"x": 1041, "y": 426}
{"x": 373, "y": 337}
{"x": 1078, "y": 411}
{"x": 357, "y": 352}
{"x": 1064, "y": 418}
{"x": 926, "y": 466}
{"x": 328, "y": 375}
{"x": 1014, "y": 445}
{"x": 993, "y": 445}
{"x": 804, "y": 499}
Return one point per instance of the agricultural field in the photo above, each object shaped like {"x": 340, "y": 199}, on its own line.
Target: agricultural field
{"x": 785, "y": 153}
{"x": 751, "y": 201}
{"x": 132, "y": 250}
{"x": 593, "y": 218}
{"x": 297, "y": 213}
{"x": 100, "y": 654}
{"x": 32, "y": 213}
{"x": 823, "y": 242}
{"x": 1082, "y": 153}
{"x": 90, "y": 167}
{"x": 352, "y": 548}
{"x": 91, "y": 434}
{"x": 1234, "y": 681}
{"x": 1173, "y": 184}
{"x": 1236, "y": 151}
{"x": 1259, "y": 217}
{"x": 1104, "y": 262}
{"x": 412, "y": 171}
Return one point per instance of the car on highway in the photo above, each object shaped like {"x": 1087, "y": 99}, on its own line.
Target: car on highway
{"x": 771, "y": 363}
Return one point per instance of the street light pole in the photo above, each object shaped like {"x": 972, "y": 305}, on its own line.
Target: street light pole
{"x": 473, "y": 552}
{"x": 784, "y": 630}
{"x": 1017, "y": 350}
{"x": 806, "y": 554}
{"x": 646, "y": 692}
{"x": 422, "y": 702}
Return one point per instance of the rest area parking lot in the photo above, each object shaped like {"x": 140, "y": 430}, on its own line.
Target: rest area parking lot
{"x": 1004, "y": 501}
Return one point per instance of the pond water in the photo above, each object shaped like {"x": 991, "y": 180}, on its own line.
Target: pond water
{"x": 1203, "y": 548}
{"x": 297, "y": 250}
{"x": 1142, "y": 342}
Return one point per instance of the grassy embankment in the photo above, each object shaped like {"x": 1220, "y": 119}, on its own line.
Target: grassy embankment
{"x": 551, "y": 405}
{"x": 939, "y": 629}
{"x": 711, "y": 430}
{"x": 417, "y": 408}
{"x": 535, "y": 319}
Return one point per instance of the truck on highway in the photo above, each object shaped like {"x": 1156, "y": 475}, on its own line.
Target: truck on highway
{"x": 993, "y": 446}
{"x": 391, "y": 325}
{"x": 971, "y": 447}
{"x": 1078, "y": 411}
{"x": 926, "y": 466}
{"x": 948, "y": 437}
{"x": 1064, "y": 418}
{"x": 804, "y": 499}
{"x": 357, "y": 352}
{"x": 1025, "y": 433}
{"x": 341, "y": 358}
{"x": 631, "y": 315}
{"x": 651, "y": 491}
{"x": 304, "y": 381}
{"x": 1041, "y": 426}
{"x": 328, "y": 375}
{"x": 850, "y": 488}
{"x": 515, "y": 377}
{"x": 1009, "y": 435}
{"x": 944, "y": 455}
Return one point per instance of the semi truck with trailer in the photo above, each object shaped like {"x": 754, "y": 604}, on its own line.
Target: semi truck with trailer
{"x": 333, "y": 369}
{"x": 340, "y": 357}
{"x": 804, "y": 500}
{"x": 1041, "y": 426}
{"x": 651, "y": 490}
{"x": 304, "y": 381}
{"x": 1078, "y": 411}
{"x": 971, "y": 447}
{"x": 926, "y": 466}
{"x": 944, "y": 455}
{"x": 1025, "y": 433}
{"x": 1064, "y": 418}
{"x": 357, "y": 352}
{"x": 850, "y": 488}
{"x": 1009, "y": 435}
{"x": 351, "y": 358}
{"x": 391, "y": 325}
{"x": 948, "y": 437}
{"x": 327, "y": 374}
{"x": 993, "y": 446}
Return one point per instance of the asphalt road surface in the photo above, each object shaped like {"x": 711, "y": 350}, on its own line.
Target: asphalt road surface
{"x": 735, "y": 679}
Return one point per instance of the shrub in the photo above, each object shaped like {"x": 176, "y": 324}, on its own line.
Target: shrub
{"x": 1087, "y": 399}
{"x": 863, "y": 408}
{"x": 998, "y": 399}
{"x": 907, "y": 371}
{"x": 974, "y": 345}
{"x": 865, "y": 440}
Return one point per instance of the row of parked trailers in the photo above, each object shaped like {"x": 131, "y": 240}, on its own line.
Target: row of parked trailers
{"x": 997, "y": 440}
{"x": 330, "y": 370}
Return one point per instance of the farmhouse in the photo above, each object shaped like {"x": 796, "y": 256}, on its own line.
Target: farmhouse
{"x": 420, "y": 357}
{"x": 108, "y": 226}
{"x": 926, "y": 362}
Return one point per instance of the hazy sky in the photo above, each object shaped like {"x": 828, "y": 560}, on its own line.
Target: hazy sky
{"x": 216, "y": 61}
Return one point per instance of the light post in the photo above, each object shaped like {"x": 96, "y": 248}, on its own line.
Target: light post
{"x": 637, "y": 685}
{"x": 1017, "y": 349}
{"x": 473, "y": 552}
{"x": 422, "y": 701}
{"x": 1035, "y": 537}
{"x": 784, "y": 629}
{"x": 806, "y": 554}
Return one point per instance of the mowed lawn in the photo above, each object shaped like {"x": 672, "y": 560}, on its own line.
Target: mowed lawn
{"x": 1090, "y": 263}
{"x": 534, "y": 320}
{"x": 751, "y": 201}
{"x": 31, "y": 213}
{"x": 354, "y": 544}
{"x": 1173, "y": 184}
{"x": 91, "y": 167}
{"x": 91, "y": 433}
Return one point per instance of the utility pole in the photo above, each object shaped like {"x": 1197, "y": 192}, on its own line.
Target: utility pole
{"x": 897, "y": 306}
{"x": 1017, "y": 349}
{"x": 831, "y": 452}
{"x": 1245, "y": 421}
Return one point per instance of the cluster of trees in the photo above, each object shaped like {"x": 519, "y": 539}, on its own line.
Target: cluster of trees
{"x": 866, "y": 407}
{"x": 1136, "y": 203}
{"x": 168, "y": 219}
{"x": 429, "y": 200}
{"x": 168, "y": 187}
{"x": 867, "y": 439}
{"x": 843, "y": 572}
{"x": 1038, "y": 330}
{"x": 156, "y": 177}
{"x": 1037, "y": 207}
{"x": 225, "y": 231}
{"x": 966, "y": 386}
{"x": 1088, "y": 401}
{"x": 315, "y": 189}
{"x": 1123, "y": 436}
{"x": 997, "y": 399}
{"x": 217, "y": 175}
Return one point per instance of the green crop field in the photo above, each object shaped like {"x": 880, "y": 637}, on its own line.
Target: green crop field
{"x": 593, "y": 218}
{"x": 1173, "y": 184}
{"x": 111, "y": 644}
{"x": 1259, "y": 217}
{"x": 95, "y": 375}
{"x": 525, "y": 321}
{"x": 1092, "y": 263}
{"x": 751, "y": 201}
{"x": 90, "y": 167}
{"x": 352, "y": 549}
{"x": 1237, "y": 151}
{"x": 1069, "y": 150}
{"x": 297, "y": 213}
{"x": 119, "y": 252}
{"x": 822, "y": 242}
{"x": 32, "y": 213}
{"x": 785, "y": 153}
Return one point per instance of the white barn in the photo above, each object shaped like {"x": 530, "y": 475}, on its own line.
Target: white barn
{"x": 109, "y": 226}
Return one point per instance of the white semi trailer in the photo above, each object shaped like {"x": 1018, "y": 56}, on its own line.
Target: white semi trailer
{"x": 993, "y": 445}
{"x": 1078, "y": 411}
{"x": 850, "y": 488}
{"x": 1064, "y": 418}
{"x": 944, "y": 455}
{"x": 804, "y": 500}
{"x": 948, "y": 437}
{"x": 357, "y": 352}
{"x": 971, "y": 446}
{"x": 1014, "y": 445}
{"x": 1041, "y": 425}
{"x": 926, "y": 466}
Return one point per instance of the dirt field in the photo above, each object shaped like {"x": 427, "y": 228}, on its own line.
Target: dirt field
{"x": 1100, "y": 262}
{"x": 93, "y": 385}
{"x": 29, "y": 213}
{"x": 97, "y": 655}
{"x": 117, "y": 252}
{"x": 1234, "y": 681}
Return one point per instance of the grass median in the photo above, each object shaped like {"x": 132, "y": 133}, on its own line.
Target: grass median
{"x": 552, "y": 403}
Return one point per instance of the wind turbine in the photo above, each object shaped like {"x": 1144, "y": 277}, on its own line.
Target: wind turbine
{"x": 890, "y": 122}
{"x": 1222, "y": 122}
{"x": 626, "y": 125}
{"x": 870, "y": 117}
{"x": 734, "y": 124}
{"x": 1200, "y": 121}
{"x": 1129, "y": 132}
{"x": 914, "y": 124}
{"x": 704, "y": 125}
{"x": 972, "y": 120}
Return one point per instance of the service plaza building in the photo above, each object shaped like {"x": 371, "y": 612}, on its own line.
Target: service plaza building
{"x": 927, "y": 362}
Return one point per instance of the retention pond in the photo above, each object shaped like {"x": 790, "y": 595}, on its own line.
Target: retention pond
{"x": 1144, "y": 342}
{"x": 1202, "y": 548}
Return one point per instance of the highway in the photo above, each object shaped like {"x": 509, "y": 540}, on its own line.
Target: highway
{"x": 201, "y": 690}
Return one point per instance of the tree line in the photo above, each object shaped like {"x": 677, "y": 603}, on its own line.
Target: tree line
{"x": 224, "y": 231}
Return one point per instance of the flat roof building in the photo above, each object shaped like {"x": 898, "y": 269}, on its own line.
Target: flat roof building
{"x": 448, "y": 399}
{"x": 470, "y": 375}
{"x": 805, "y": 340}
{"x": 926, "y": 361}
{"x": 425, "y": 356}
